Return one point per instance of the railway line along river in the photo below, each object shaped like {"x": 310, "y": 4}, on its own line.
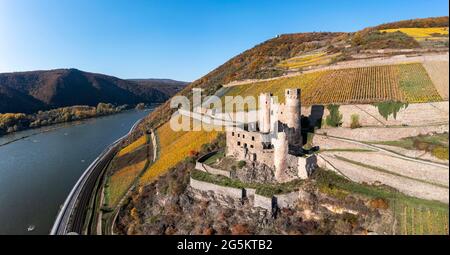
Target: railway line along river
{"x": 39, "y": 167}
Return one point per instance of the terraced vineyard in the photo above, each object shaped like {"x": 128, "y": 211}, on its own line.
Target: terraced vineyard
{"x": 405, "y": 83}
{"x": 120, "y": 182}
{"x": 132, "y": 147}
{"x": 174, "y": 147}
{"x": 420, "y": 33}
{"x": 416, "y": 85}
{"x": 422, "y": 221}
{"x": 320, "y": 58}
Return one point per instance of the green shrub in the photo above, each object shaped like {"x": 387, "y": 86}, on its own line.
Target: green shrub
{"x": 355, "y": 121}
{"x": 334, "y": 119}
{"x": 389, "y": 108}
{"x": 241, "y": 164}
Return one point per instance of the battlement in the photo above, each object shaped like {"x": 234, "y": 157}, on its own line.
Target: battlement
{"x": 292, "y": 93}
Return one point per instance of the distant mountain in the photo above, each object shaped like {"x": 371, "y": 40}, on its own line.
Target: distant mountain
{"x": 166, "y": 86}
{"x": 29, "y": 92}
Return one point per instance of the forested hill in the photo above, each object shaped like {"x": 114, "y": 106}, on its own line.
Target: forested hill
{"x": 28, "y": 92}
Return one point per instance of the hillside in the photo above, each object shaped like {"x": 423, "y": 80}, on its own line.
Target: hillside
{"x": 166, "y": 86}
{"x": 365, "y": 68}
{"x": 408, "y": 83}
{"x": 28, "y": 92}
{"x": 300, "y": 52}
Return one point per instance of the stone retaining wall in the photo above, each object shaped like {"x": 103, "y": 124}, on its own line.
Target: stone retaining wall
{"x": 226, "y": 191}
{"x": 263, "y": 202}
{"x": 268, "y": 203}
{"x": 211, "y": 170}
{"x": 286, "y": 200}
{"x": 205, "y": 168}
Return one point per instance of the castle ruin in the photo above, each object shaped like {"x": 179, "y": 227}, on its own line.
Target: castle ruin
{"x": 275, "y": 139}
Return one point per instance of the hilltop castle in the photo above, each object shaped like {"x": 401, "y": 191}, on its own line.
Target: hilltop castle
{"x": 275, "y": 139}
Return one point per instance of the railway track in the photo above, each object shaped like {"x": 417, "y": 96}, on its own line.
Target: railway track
{"x": 79, "y": 216}
{"x": 72, "y": 216}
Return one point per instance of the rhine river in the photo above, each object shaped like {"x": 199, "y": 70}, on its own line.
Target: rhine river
{"x": 38, "y": 171}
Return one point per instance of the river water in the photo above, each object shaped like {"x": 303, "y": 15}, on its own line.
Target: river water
{"x": 38, "y": 171}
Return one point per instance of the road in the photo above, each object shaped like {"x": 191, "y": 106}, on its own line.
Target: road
{"x": 72, "y": 215}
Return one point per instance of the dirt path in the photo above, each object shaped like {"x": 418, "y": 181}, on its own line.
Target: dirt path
{"x": 390, "y": 153}
{"x": 363, "y": 162}
{"x": 405, "y": 185}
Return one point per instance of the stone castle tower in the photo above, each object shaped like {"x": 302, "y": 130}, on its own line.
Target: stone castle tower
{"x": 281, "y": 149}
{"x": 277, "y": 142}
{"x": 264, "y": 112}
{"x": 293, "y": 116}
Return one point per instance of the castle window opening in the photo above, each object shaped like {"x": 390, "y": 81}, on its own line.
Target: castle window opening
{"x": 243, "y": 136}
{"x": 251, "y": 146}
{"x": 253, "y": 138}
{"x": 232, "y": 133}
{"x": 239, "y": 143}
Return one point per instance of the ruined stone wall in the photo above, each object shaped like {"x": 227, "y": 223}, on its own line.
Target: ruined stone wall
{"x": 217, "y": 189}
{"x": 240, "y": 139}
{"x": 268, "y": 203}
{"x": 287, "y": 200}
{"x": 263, "y": 202}
{"x": 212, "y": 170}
{"x": 306, "y": 166}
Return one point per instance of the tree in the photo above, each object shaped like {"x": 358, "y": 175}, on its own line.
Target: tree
{"x": 334, "y": 119}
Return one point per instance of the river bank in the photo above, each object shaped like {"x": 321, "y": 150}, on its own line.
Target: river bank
{"x": 37, "y": 174}
{"x": 11, "y": 137}
{"x": 14, "y": 122}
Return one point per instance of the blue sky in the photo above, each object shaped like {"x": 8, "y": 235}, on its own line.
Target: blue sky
{"x": 172, "y": 39}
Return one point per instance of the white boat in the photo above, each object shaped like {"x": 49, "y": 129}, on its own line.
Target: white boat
{"x": 31, "y": 228}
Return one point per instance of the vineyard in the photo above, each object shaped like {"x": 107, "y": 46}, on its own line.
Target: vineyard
{"x": 418, "y": 220}
{"x": 120, "y": 182}
{"x": 406, "y": 83}
{"x": 416, "y": 85}
{"x": 420, "y": 33}
{"x": 174, "y": 147}
{"x": 132, "y": 147}
{"x": 320, "y": 58}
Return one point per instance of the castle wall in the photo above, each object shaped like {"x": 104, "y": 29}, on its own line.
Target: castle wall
{"x": 212, "y": 170}
{"x": 268, "y": 203}
{"x": 220, "y": 190}
{"x": 263, "y": 202}
{"x": 287, "y": 200}
{"x": 240, "y": 139}
{"x": 306, "y": 166}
